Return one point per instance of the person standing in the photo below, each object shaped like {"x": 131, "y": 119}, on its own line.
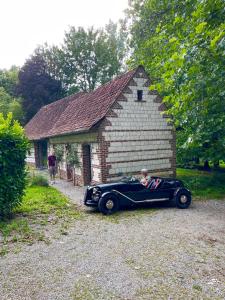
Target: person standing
{"x": 52, "y": 166}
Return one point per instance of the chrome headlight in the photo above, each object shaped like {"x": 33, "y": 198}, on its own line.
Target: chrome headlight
{"x": 96, "y": 194}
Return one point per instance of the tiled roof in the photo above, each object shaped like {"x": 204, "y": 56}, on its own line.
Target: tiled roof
{"x": 77, "y": 112}
{"x": 45, "y": 119}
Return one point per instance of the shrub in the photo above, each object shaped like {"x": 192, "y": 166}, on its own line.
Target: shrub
{"x": 13, "y": 148}
{"x": 38, "y": 180}
{"x": 72, "y": 157}
{"x": 59, "y": 152}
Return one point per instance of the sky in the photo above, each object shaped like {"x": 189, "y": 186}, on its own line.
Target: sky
{"x": 25, "y": 24}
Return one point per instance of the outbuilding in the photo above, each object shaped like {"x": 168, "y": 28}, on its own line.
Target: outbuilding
{"x": 118, "y": 129}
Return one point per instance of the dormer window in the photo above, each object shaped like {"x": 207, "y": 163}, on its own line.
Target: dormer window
{"x": 139, "y": 95}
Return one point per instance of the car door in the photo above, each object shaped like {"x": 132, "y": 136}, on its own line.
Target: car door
{"x": 138, "y": 192}
{"x": 148, "y": 194}
{"x": 135, "y": 191}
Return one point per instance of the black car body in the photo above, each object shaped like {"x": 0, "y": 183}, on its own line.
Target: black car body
{"x": 108, "y": 198}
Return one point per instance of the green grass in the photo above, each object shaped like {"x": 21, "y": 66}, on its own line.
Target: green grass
{"x": 42, "y": 200}
{"x": 41, "y": 206}
{"x": 203, "y": 185}
{"x": 197, "y": 287}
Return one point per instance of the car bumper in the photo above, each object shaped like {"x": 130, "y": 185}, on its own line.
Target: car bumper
{"x": 89, "y": 202}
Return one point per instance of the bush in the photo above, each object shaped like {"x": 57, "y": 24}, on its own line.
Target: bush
{"x": 59, "y": 152}
{"x": 203, "y": 184}
{"x": 38, "y": 180}
{"x": 13, "y": 148}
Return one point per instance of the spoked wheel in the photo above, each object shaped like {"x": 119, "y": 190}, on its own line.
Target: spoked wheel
{"x": 108, "y": 205}
{"x": 183, "y": 199}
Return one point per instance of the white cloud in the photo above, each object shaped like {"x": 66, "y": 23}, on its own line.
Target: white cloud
{"x": 26, "y": 23}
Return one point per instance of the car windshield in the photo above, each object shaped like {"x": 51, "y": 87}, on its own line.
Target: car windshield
{"x": 130, "y": 179}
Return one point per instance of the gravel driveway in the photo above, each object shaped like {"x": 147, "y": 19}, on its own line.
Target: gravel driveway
{"x": 163, "y": 253}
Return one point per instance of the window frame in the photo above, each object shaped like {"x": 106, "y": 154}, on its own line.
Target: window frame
{"x": 139, "y": 95}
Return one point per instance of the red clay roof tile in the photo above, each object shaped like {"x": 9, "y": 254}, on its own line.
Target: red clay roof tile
{"x": 77, "y": 112}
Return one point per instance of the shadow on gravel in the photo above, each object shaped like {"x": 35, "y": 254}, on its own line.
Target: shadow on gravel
{"x": 134, "y": 211}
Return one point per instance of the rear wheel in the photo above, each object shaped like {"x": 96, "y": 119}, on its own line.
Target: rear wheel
{"x": 183, "y": 199}
{"x": 108, "y": 204}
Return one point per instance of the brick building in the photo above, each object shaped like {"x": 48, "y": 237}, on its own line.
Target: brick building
{"x": 119, "y": 129}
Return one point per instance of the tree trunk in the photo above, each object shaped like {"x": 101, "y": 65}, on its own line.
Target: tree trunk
{"x": 206, "y": 166}
{"x": 197, "y": 161}
{"x": 216, "y": 164}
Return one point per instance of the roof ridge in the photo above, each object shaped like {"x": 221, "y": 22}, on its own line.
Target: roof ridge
{"x": 116, "y": 78}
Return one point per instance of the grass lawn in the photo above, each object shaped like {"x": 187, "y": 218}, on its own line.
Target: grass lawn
{"x": 41, "y": 207}
{"x": 203, "y": 185}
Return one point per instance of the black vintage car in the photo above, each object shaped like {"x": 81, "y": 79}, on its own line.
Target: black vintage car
{"x": 108, "y": 198}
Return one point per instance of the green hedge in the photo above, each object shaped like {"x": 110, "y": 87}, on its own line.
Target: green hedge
{"x": 13, "y": 149}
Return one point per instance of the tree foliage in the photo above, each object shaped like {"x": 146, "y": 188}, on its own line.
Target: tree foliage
{"x": 59, "y": 152}
{"x": 87, "y": 58}
{"x": 13, "y": 148}
{"x": 72, "y": 157}
{"x": 8, "y": 100}
{"x": 9, "y": 79}
{"x": 36, "y": 86}
{"x": 181, "y": 44}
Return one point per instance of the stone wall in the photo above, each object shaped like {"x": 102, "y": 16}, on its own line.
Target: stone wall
{"x": 96, "y": 163}
{"x": 134, "y": 135}
{"x": 138, "y": 134}
{"x": 80, "y": 172}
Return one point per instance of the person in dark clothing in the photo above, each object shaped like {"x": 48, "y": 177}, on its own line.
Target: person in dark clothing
{"x": 52, "y": 166}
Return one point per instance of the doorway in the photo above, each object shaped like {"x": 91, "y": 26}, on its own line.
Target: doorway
{"x": 86, "y": 148}
{"x": 41, "y": 155}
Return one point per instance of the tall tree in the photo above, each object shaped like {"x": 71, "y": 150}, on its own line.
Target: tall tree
{"x": 36, "y": 86}
{"x": 87, "y": 58}
{"x": 182, "y": 43}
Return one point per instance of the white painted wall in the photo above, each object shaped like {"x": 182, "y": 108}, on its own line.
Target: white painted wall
{"x": 133, "y": 142}
{"x": 31, "y": 155}
{"x": 78, "y": 170}
{"x": 95, "y": 162}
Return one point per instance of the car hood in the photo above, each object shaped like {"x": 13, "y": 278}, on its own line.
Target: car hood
{"x": 116, "y": 185}
{"x": 113, "y": 185}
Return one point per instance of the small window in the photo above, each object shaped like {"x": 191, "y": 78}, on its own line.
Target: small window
{"x": 139, "y": 95}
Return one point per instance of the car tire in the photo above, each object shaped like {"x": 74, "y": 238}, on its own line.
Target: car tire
{"x": 182, "y": 199}
{"x": 108, "y": 204}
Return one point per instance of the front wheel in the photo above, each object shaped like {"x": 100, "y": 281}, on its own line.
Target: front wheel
{"x": 183, "y": 199}
{"x": 108, "y": 204}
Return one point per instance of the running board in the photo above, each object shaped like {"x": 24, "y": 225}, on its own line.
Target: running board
{"x": 153, "y": 200}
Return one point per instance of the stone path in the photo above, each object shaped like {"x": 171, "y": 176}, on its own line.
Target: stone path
{"x": 76, "y": 194}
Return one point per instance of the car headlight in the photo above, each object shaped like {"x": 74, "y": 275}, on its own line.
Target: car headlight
{"x": 96, "y": 194}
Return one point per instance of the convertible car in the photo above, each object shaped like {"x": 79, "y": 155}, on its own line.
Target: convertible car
{"x": 109, "y": 197}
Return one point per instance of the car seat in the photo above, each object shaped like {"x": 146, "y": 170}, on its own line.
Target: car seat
{"x": 154, "y": 183}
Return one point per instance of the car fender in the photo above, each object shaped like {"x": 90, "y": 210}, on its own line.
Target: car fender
{"x": 109, "y": 193}
{"x": 122, "y": 199}
{"x": 179, "y": 190}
